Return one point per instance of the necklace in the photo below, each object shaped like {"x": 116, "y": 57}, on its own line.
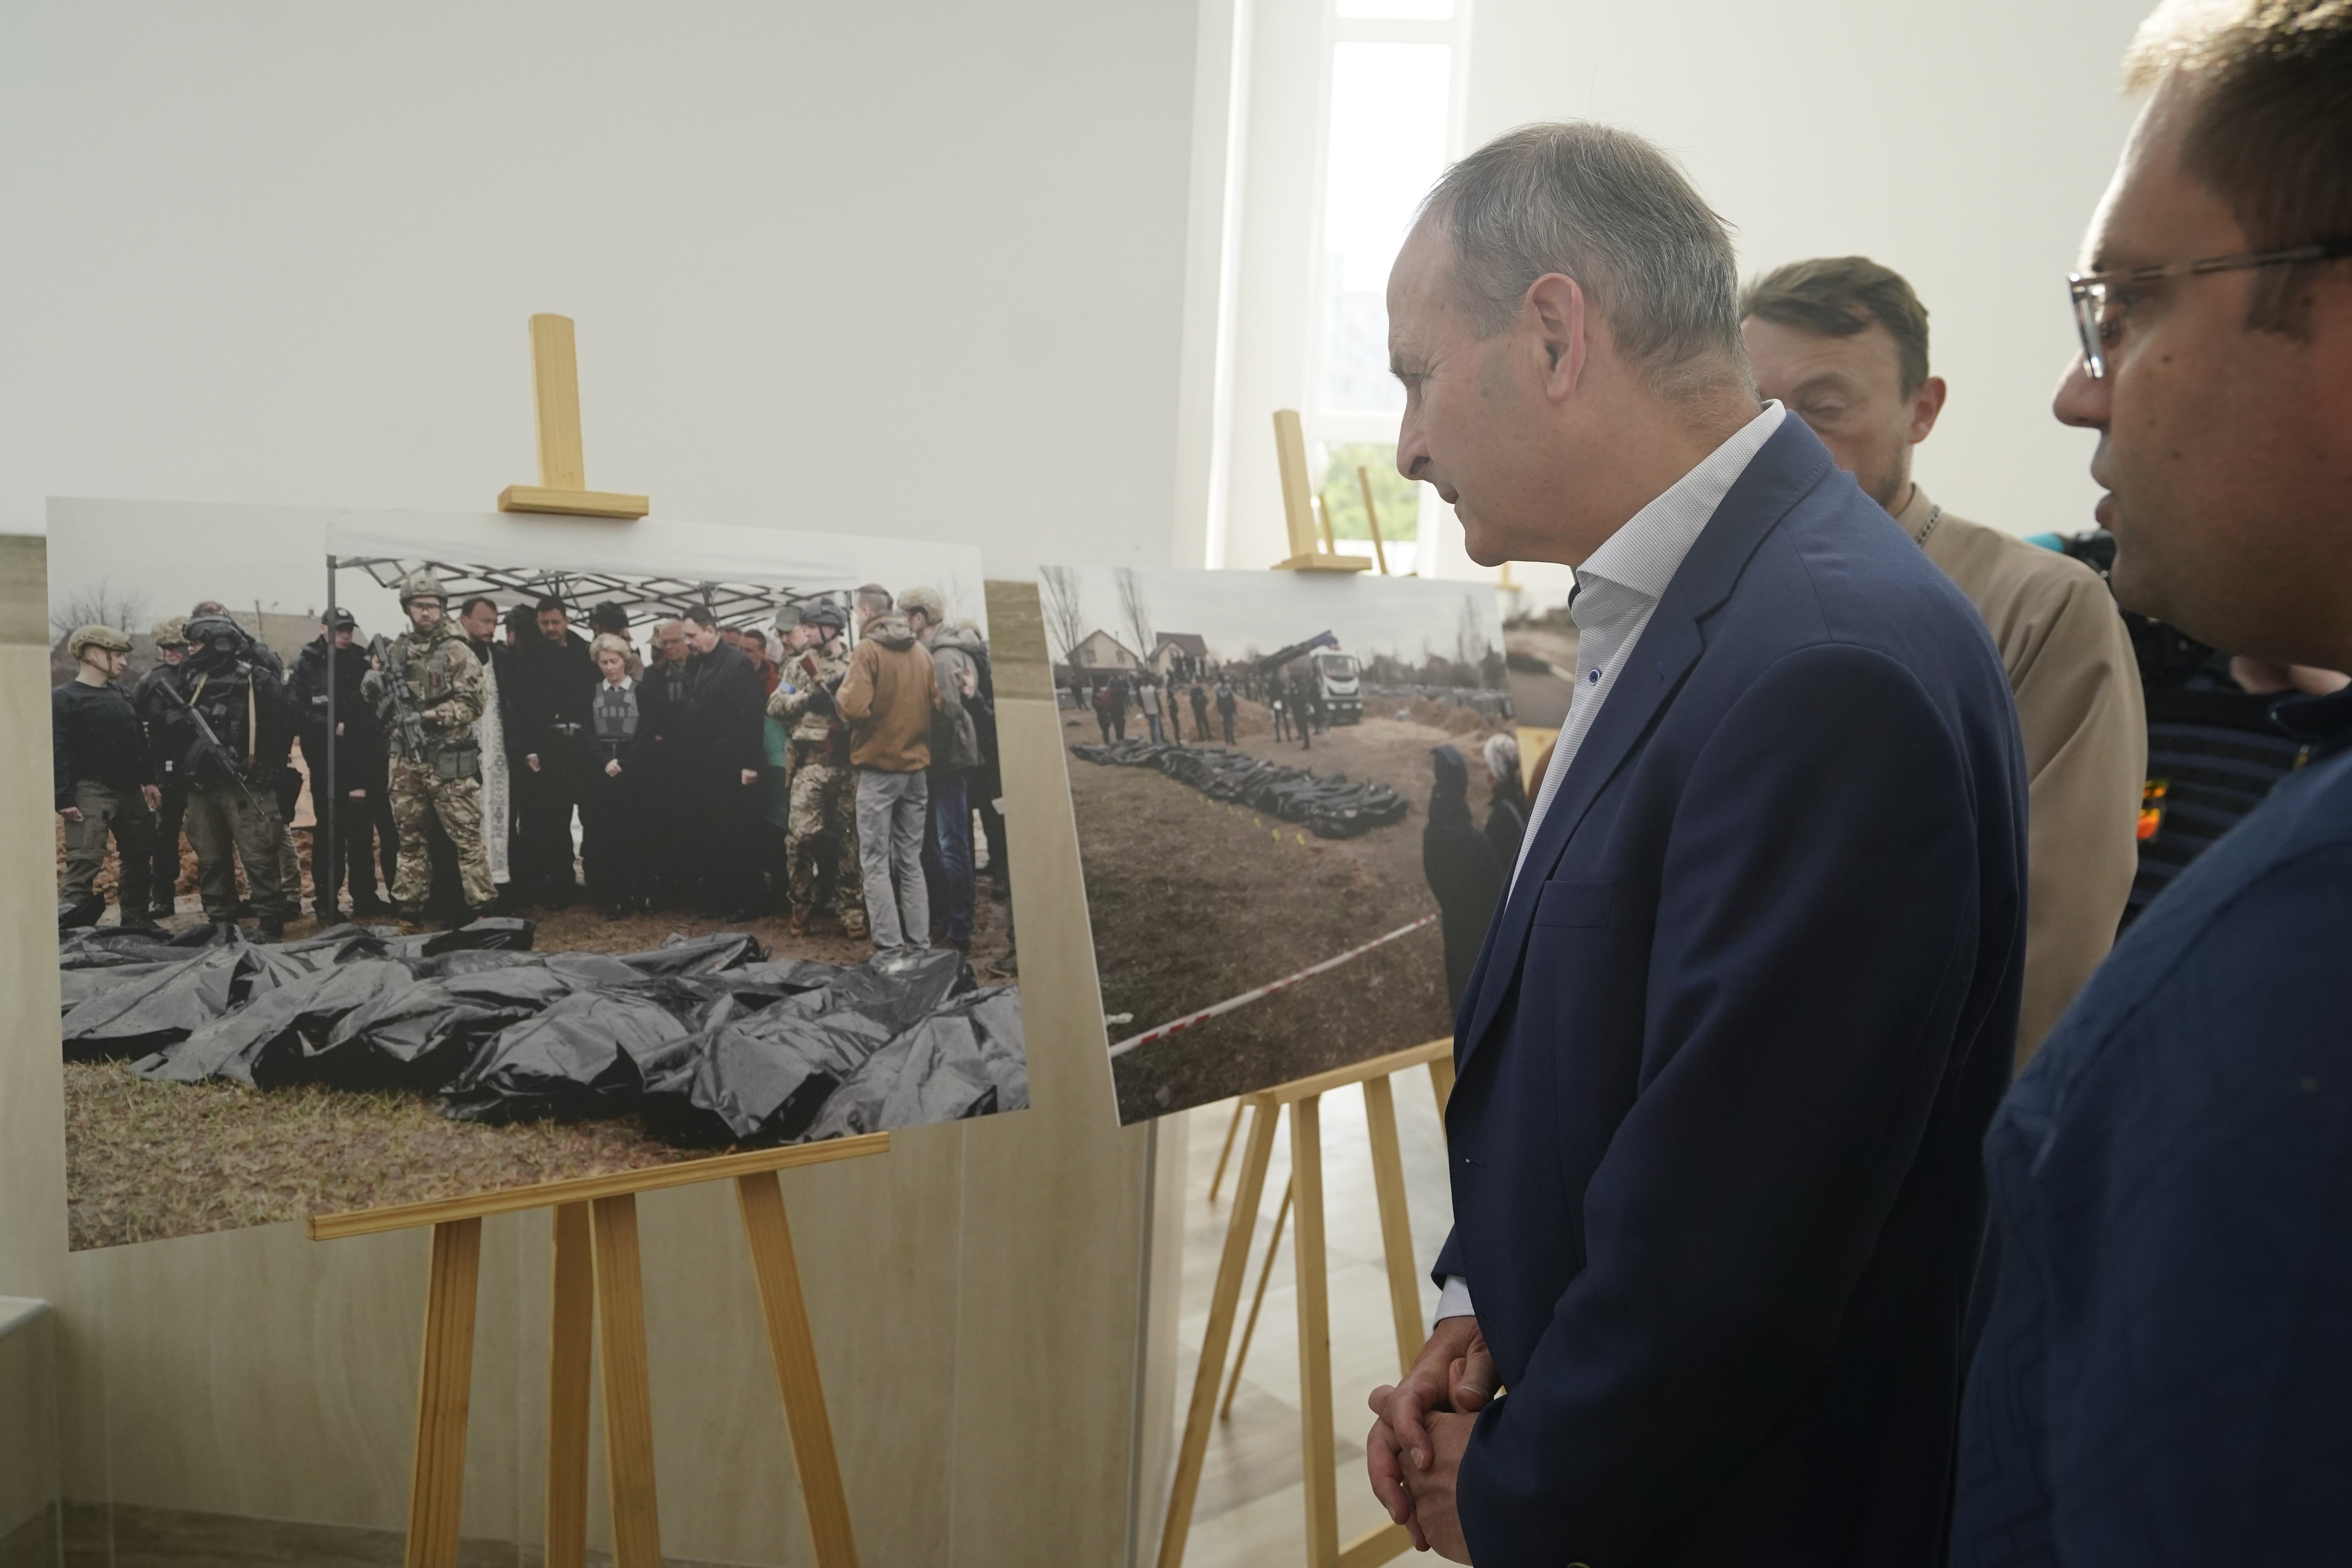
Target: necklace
{"x": 1934, "y": 515}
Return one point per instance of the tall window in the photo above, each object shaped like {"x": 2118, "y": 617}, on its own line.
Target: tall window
{"x": 1393, "y": 71}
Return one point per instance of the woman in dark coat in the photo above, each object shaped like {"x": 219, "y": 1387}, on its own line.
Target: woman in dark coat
{"x": 614, "y": 846}
{"x": 1461, "y": 869}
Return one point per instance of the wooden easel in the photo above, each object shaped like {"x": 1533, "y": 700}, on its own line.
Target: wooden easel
{"x": 563, "y": 469}
{"x": 597, "y": 1289}
{"x": 1307, "y": 551}
{"x": 598, "y": 1308}
{"x": 1318, "y": 1450}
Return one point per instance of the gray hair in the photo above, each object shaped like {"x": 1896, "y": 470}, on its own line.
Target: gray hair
{"x": 1502, "y": 757}
{"x": 1615, "y": 213}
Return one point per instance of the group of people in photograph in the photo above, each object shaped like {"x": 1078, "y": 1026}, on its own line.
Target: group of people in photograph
{"x": 1160, "y": 703}
{"x": 735, "y": 770}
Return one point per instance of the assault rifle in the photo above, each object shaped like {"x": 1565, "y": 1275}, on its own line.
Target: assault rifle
{"x": 821, "y": 690}
{"x": 208, "y": 746}
{"x": 395, "y": 703}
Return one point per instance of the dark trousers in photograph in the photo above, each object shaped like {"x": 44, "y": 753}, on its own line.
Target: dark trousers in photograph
{"x": 947, "y": 856}
{"x": 544, "y": 800}
{"x": 363, "y": 839}
{"x": 163, "y": 879}
{"x": 991, "y": 828}
{"x": 122, "y": 816}
{"x": 727, "y": 830}
{"x": 233, "y": 828}
{"x": 614, "y": 840}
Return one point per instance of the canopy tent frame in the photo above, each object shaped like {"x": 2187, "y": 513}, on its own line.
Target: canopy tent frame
{"x": 645, "y": 597}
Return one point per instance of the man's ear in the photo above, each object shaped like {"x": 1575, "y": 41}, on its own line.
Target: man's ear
{"x": 1926, "y": 405}
{"x": 1555, "y": 303}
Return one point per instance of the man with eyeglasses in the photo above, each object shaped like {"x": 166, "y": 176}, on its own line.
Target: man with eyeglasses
{"x": 1842, "y": 342}
{"x": 2166, "y": 1369}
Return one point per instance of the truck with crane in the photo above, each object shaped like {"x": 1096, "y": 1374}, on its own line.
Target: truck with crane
{"x": 1339, "y": 682}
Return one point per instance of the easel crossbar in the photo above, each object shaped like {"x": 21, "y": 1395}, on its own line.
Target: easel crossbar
{"x": 1362, "y": 1072}
{"x": 578, "y": 1189}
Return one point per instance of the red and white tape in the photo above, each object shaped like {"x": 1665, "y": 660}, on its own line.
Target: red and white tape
{"x": 1205, "y": 1013}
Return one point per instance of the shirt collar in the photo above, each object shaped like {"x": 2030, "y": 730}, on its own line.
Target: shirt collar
{"x": 1914, "y": 515}
{"x": 621, "y": 685}
{"x": 1643, "y": 555}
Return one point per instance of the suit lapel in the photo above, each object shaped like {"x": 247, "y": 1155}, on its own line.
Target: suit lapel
{"x": 1788, "y": 465}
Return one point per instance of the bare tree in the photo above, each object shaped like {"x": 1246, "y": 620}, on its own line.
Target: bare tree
{"x": 1470, "y": 638}
{"x": 1066, "y": 614}
{"x": 98, "y": 603}
{"x": 1134, "y": 610}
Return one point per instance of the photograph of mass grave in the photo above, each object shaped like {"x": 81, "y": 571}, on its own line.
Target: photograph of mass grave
{"x": 406, "y": 856}
{"x": 1538, "y": 642}
{"x": 1288, "y": 813}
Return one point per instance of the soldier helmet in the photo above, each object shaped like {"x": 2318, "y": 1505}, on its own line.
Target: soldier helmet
{"x": 825, "y": 617}
{"x": 171, "y": 631}
{"x": 420, "y": 586}
{"x": 927, "y": 601}
{"x": 95, "y": 635}
{"x": 216, "y": 633}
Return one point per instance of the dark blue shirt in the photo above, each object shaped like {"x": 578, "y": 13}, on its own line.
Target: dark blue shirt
{"x": 2167, "y": 1373}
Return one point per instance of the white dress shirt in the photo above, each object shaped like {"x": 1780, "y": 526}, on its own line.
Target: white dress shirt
{"x": 1617, "y": 590}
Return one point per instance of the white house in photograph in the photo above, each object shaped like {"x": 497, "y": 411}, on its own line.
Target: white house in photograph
{"x": 1100, "y": 651}
{"x": 1178, "y": 654}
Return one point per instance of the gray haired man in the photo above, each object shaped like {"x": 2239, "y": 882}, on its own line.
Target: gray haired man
{"x": 1748, "y": 1004}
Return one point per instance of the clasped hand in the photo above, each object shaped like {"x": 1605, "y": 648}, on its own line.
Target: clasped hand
{"x": 1414, "y": 1451}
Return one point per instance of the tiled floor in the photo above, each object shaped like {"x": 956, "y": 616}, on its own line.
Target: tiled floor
{"x": 1251, "y": 1511}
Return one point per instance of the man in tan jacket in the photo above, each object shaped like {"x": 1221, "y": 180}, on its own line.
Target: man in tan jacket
{"x": 1842, "y": 342}
{"x": 888, "y": 699}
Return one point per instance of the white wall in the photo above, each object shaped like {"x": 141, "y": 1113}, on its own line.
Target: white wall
{"x": 883, "y": 267}
{"x": 1960, "y": 141}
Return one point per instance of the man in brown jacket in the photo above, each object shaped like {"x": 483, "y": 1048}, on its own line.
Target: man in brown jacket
{"x": 1844, "y": 342}
{"x": 889, "y": 698}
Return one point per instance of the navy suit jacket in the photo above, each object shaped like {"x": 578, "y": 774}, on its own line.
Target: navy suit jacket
{"x": 2167, "y": 1373}
{"x": 1727, "y": 1060}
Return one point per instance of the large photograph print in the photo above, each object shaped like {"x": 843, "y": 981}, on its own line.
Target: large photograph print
{"x": 1297, "y": 795}
{"x": 405, "y": 858}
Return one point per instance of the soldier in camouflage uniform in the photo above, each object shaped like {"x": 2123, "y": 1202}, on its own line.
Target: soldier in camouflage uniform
{"x": 824, "y": 787}
{"x": 430, "y": 695}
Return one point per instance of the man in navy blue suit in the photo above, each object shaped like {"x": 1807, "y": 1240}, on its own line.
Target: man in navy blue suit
{"x": 1748, "y": 1001}
{"x": 2167, "y": 1373}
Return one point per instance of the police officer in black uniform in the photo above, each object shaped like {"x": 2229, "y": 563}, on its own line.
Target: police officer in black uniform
{"x": 356, "y": 759}
{"x": 153, "y": 699}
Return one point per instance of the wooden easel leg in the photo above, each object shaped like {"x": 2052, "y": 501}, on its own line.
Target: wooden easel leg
{"x": 1249, "y": 1327}
{"x": 1249, "y": 1190}
{"x": 1396, "y": 1220}
{"x": 628, "y": 1385}
{"x": 437, "y": 1492}
{"x": 1441, "y": 1082}
{"x": 571, "y": 1352}
{"x": 762, "y": 1198}
{"x": 1225, "y": 1153}
{"x": 1317, "y": 1456}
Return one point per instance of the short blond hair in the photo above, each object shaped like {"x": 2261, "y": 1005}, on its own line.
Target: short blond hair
{"x": 607, "y": 642}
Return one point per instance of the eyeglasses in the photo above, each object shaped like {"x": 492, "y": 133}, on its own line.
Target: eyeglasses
{"x": 2102, "y": 299}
